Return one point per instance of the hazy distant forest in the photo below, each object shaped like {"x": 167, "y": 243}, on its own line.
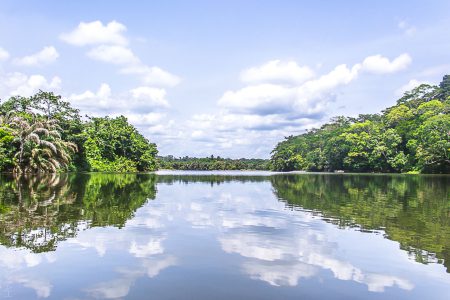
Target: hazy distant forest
{"x": 44, "y": 133}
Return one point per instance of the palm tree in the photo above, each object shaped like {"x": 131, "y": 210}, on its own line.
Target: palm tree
{"x": 41, "y": 148}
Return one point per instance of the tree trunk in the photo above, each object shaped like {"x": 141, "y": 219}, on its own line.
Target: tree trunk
{"x": 21, "y": 154}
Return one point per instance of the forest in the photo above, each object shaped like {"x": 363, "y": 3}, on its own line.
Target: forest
{"x": 45, "y": 134}
{"x": 211, "y": 163}
{"x": 412, "y": 136}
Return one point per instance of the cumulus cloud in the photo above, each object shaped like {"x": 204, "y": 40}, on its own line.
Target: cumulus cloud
{"x": 152, "y": 75}
{"x": 93, "y": 33}
{"x": 307, "y": 99}
{"x": 4, "y": 55}
{"x": 118, "y": 55}
{"x": 45, "y": 56}
{"x": 140, "y": 100}
{"x": 276, "y": 70}
{"x": 93, "y": 101}
{"x": 17, "y": 83}
{"x": 382, "y": 65}
{"x": 260, "y": 99}
{"x": 153, "y": 97}
{"x": 111, "y": 46}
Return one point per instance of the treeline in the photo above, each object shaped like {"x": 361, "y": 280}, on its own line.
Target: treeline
{"x": 44, "y": 133}
{"x": 411, "y": 136}
{"x": 211, "y": 163}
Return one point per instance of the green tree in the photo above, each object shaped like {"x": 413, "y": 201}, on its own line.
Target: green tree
{"x": 445, "y": 87}
{"x": 433, "y": 146}
{"x": 40, "y": 147}
{"x": 114, "y": 145}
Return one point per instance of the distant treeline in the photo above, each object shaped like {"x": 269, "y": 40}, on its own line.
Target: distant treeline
{"x": 411, "y": 136}
{"x": 211, "y": 163}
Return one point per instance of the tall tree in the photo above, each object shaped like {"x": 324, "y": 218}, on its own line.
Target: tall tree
{"x": 41, "y": 148}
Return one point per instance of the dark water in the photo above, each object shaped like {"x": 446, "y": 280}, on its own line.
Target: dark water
{"x": 314, "y": 236}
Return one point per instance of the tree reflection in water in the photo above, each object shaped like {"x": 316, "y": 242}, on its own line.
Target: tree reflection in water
{"x": 36, "y": 212}
{"x": 412, "y": 210}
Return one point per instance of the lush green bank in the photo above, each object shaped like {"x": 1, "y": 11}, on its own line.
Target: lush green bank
{"x": 44, "y": 133}
{"x": 411, "y": 136}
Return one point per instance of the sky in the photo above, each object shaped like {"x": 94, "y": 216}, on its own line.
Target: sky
{"x": 223, "y": 78}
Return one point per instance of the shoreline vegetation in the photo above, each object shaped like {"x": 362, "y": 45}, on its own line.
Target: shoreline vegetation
{"x": 412, "y": 136}
{"x": 45, "y": 134}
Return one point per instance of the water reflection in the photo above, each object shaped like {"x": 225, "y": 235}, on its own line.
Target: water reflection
{"x": 105, "y": 236}
{"x": 413, "y": 210}
{"x": 39, "y": 211}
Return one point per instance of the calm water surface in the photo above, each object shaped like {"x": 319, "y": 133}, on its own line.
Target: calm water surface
{"x": 225, "y": 236}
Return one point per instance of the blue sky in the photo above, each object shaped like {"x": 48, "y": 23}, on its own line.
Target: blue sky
{"x": 228, "y": 78}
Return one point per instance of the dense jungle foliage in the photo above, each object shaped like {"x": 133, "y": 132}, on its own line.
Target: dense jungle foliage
{"x": 43, "y": 133}
{"x": 211, "y": 163}
{"x": 411, "y": 136}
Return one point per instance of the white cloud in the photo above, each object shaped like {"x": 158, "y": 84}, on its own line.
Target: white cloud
{"x": 146, "y": 120}
{"x": 111, "y": 46}
{"x": 94, "y": 33}
{"x": 140, "y": 100}
{"x": 261, "y": 99}
{"x": 307, "y": 99}
{"x": 17, "y": 83}
{"x": 153, "y": 97}
{"x": 152, "y": 75}
{"x": 4, "y": 55}
{"x": 277, "y": 70}
{"x": 117, "y": 55}
{"x": 93, "y": 101}
{"x": 340, "y": 75}
{"x": 45, "y": 56}
{"x": 381, "y": 65}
